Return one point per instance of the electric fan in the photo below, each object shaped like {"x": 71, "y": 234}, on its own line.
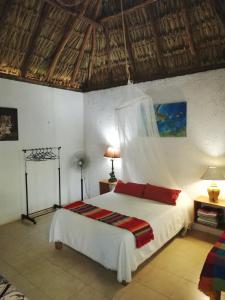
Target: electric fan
{"x": 81, "y": 162}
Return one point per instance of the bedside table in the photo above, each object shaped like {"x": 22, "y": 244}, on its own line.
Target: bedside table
{"x": 105, "y": 186}
{"x": 204, "y": 201}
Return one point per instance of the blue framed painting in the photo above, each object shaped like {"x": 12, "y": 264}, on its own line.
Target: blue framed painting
{"x": 171, "y": 119}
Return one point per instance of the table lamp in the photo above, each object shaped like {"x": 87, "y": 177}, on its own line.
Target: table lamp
{"x": 213, "y": 173}
{"x": 112, "y": 153}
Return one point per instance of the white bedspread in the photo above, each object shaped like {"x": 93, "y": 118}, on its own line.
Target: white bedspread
{"x": 111, "y": 246}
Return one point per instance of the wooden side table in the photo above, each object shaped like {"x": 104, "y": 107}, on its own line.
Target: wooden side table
{"x": 105, "y": 186}
{"x": 204, "y": 200}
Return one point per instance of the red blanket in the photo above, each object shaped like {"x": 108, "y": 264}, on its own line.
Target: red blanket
{"x": 141, "y": 230}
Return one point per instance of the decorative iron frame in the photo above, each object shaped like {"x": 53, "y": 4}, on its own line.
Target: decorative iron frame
{"x": 37, "y": 155}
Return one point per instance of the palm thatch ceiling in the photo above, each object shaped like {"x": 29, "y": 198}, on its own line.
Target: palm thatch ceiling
{"x": 79, "y": 44}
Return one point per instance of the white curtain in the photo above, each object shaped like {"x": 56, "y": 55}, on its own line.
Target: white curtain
{"x": 142, "y": 158}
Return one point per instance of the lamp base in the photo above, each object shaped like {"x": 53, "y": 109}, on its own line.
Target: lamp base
{"x": 213, "y": 192}
{"x": 112, "y": 180}
{"x": 112, "y": 174}
{"x": 112, "y": 177}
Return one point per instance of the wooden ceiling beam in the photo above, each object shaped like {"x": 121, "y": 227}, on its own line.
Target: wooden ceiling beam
{"x": 71, "y": 24}
{"x": 80, "y": 55}
{"x": 38, "y": 82}
{"x": 188, "y": 28}
{"x": 128, "y": 10}
{"x": 92, "y": 57}
{"x": 73, "y": 13}
{"x": 83, "y": 46}
{"x": 36, "y": 31}
{"x": 152, "y": 77}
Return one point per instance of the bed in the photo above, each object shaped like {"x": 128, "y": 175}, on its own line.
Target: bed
{"x": 112, "y": 247}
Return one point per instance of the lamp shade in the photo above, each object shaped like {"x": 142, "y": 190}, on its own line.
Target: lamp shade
{"x": 213, "y": 173}
{"x": 112, "y": 152}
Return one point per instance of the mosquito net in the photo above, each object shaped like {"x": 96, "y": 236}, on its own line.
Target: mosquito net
{"x": 143, "y": 158}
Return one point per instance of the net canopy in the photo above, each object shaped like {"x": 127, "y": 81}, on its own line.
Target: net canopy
{"x": 143, "y": 158}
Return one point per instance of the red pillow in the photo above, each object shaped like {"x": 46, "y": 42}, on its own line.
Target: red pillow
{"x": 161, "y": 194}
{"x": 130, "y": 188}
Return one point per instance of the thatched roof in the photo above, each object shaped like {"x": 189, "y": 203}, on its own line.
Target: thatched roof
{"x": 79, "y": 44}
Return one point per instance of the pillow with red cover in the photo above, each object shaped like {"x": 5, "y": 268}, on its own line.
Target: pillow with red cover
{"x": 161, "y": 194}
{"x": 130, "y": 188}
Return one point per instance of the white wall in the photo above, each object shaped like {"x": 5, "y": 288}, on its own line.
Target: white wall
{"x": 188, "y": 157}
{"x": 49, "y": 117}
{"x": 46, "y": 117}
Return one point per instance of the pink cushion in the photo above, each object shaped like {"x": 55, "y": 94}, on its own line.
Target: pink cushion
{"x": 130, "y": 188}
{"x": 161, "y": 194}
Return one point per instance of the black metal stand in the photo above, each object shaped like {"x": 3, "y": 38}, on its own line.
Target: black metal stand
{"x": 59, "y": 174}
{"x": 81, "y": 183}
{"x": 27, "y": 217}
{"x": 37, "y": 155}
{"x": 112, "y": 174}
{"x": 82, "y": 193}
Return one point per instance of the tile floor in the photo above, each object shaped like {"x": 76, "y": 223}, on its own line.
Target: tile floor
{"x": 41, "y": 272}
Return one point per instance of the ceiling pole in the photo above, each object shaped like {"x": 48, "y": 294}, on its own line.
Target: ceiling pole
{"x": 72, "y": 12}
{"x": 72, "y": 23}
{"x": 188, "y": 28}
{"x": 93, "y": 52}
{"x": 37, "y": 29}
{"x": 83, "y": 46}
{"x": 128, "y": 10}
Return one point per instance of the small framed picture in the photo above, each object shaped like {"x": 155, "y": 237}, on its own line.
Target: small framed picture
{"x": 171, "y": 119}
{"x": 8, "y": 124}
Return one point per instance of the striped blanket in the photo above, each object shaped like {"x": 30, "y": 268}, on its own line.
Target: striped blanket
{"x": 212, "y": 277}
{"x": 141, "y": 230}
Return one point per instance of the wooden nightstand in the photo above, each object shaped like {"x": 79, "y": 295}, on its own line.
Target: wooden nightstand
{"x": 204, "y": 201}
{"x": 105, "y": 186}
